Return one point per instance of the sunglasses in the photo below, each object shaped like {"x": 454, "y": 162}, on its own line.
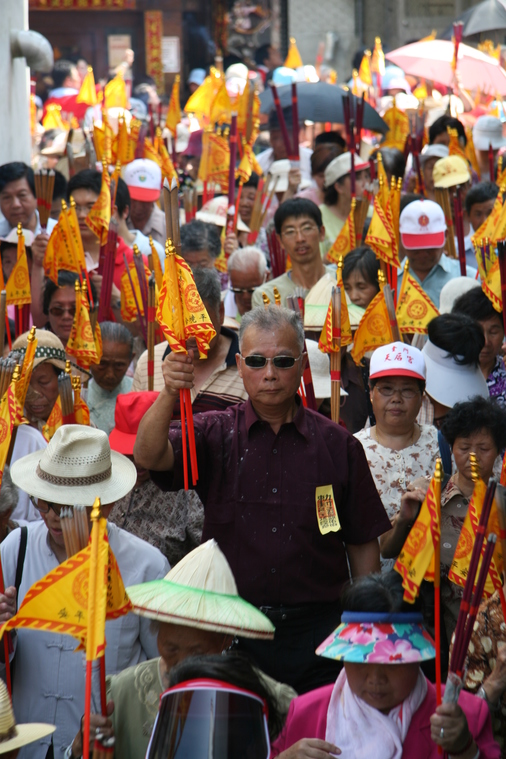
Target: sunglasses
{"x": 280, "y": 362}
{"x": 59, "y": 311}
{"x": 242, "y": 290}
{"x": 45, "y": 510}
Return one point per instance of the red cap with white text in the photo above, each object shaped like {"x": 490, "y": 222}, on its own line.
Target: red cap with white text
{"x": 422, "y": 225}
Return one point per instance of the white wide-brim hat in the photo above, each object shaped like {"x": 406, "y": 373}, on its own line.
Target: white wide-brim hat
{"x": 449, "y": 383}
{"x": 200, "y": 591}
{"x": 319, "y": 363}
{"x": 76, "y": 467}
{"x": 215, "y": 212}
{"x": 12, "y": 735}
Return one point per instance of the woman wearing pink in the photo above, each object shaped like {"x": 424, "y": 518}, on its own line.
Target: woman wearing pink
{"x": 382, "y": 706}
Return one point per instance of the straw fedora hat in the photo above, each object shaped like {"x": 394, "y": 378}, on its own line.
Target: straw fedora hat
{"x": 12, "y": 735}
{"x": 200, "y": 591}
{"x": 76, "y": 467}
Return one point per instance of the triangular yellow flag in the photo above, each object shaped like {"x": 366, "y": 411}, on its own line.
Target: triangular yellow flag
{"x": 115, "y": 95}
{"x": 398, "y": 128}
{"x": 82, "y": 343}
{"x": 489, "y": 226}
{"x": 53, "y": 119}
{"x": 491, "y": 286}
{"x": 364, "y": 71}
{"x": 88, "y": 93}
{"x": 54, "y": 420}
{"x": 293, "y": 59}
{"x": 374, "y": 329}
{"x": 414, "y": 307}
{"x": 174, "y": 109}
{"x": 381, "y": 236}
{"x": 18, "y": 285}
{"x": 346, "y": 240}
{"x": 11, "y": 414}
{"x": 99, "y": 217}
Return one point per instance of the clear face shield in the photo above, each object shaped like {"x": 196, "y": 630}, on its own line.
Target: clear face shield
{"x": 210, "y": 719}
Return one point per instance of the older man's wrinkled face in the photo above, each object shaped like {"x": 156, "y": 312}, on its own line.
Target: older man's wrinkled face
{"x": 18, "y": 203}
{"x": 243, "y": 285}
{"x": 270, "y": 385}
{"x": 178, "y": 642}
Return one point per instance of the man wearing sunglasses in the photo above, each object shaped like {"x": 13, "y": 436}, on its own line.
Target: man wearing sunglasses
{"x": 261, "y": 465}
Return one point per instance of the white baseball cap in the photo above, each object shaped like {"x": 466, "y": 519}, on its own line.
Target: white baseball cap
{"x": 196, "y": 76}
{"x": 422, "y": 225}
{"x": 488, "y": 131}
{"x": 143, "y": 179}
{"x": 434, "y": 151}
{"x": 341, "y": 166}
{"x": 448, "y": 382}
{"x": 397, "y": 360}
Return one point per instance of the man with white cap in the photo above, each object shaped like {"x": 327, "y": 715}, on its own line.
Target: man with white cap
{"x": 144, "y": 181}
{"x": 428, "y": 160}
{"x": 337, "y": 193}
{"x": 76, "y": 467}
{"x": 487, "y": 134}
{"x": 197, "y": 611}
{"x": 449, "y": 173}
{"x": 422, "y": 228}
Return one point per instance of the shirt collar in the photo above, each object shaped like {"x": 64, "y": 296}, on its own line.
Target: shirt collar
{"x": 299, "y": 420}
{"x": 445, "y": 263}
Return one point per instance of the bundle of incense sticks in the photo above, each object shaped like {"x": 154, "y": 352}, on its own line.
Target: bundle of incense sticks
{"x": 307, "y": 378}
{"x": 443, "y": 199}
{"x": 151, "y": 330}
{"x": 4, "y": 322}
{"x": 44, "y": 187}
{"x": 106, "y": 268}
{"x": 74, "y": 525}
{"x": 389, "y": 301}
{"x": 7, "y": 366}
{"x": 501, "y": 254}
{"x": 66, "y": 398}
{"x": 142, "y": 314}
{"x": 360, "y": 214}
{"x": 188, "y": 203}
{"x": 292, "y": 150}
{"x": 277, "y": 254}
{"x": 465, "y": 621}
{"x": 263, "y": 199}
{"x": 483, "y": 249}
{"x": 459, "y": 225}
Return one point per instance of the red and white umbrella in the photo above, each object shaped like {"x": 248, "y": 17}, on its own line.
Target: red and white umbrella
{"x": 432, "y": 59}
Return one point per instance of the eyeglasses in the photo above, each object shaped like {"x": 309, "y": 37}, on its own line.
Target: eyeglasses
{"x": 59, "y": 311}
{"x": 42, "y": 509}
{"x": 305, "y": 230}
{"x": 280, "y": 362}
{"x": 388, "y": 392}
{"x": 242, "y": 290}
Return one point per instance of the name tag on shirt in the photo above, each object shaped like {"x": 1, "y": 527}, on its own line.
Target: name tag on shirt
{"x": 326, "y": 511}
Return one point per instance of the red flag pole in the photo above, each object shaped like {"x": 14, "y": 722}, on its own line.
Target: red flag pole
{"x": 87, "y": 709}
{"x": 103, "y": 693}
{"x": 183, "y": 436}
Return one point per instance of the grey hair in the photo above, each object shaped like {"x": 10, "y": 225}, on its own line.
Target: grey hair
{"x": 242, "y": 258}
{"x": 9, "y": 493}
{"x": 208, "y": 285}
{"x": 272, "y": 318}
{"x": 117, "y": 333}
{"x": 197, "y": 235}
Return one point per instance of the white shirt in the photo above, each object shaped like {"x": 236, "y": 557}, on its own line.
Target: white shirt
{"x": 48, "y": 676}
{"x": 28, "y": 440}
{"x": 5, "y": 227}
{"x": 142, "y": 243}
{"x": 266, "y": 159}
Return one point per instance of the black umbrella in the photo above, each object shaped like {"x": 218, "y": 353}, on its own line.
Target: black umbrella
{"x": 320, "y": 102}
{"x": 487, "y": 16}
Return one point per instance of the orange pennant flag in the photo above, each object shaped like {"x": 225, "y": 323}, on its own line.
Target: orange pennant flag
{"x": 123, "y": 149}
{"x": 18, "y": 285}
{"x": 54, "y": 420}
{"x": 381, "y": 236}
{"x": 364, "y": 71}
{"x": 398, "y": 128}
{"x": 99, "y": 217}
{"x": 416, "y": 560}
{"x": 293, "y": 59}
{"x": 129, "y": 311}
{"x": 455, "y": 147}
{"x": 374, "y": 329}
{"x": 181, "y": 313}
{"x": 491, "y": 286}
{"x": 83, "y": 344}
{"x": 59, "y": 250}
{"x": 151, "y": 153}
{"x": 78, "y": 258}
{"x": 88, "y": 92}
{"x": 346, "y": 240}
{"x": 81, "y": 410}
{"x": 326, "y": 341}
{"x": 166, "y": 165}
{"x": 414, "y": 307}
{"x": 11, "y": 414}
{"x": 133, "y": 138}
{"x": 489, "y": 226}
{"x": 218, "y": 160}
{"x": 378, "y": 58}
{"x": 27, "y": 367}
{"x": 115, "y": 95}
{"x": 174, "y": 110}
{"x": 460, "y": 564}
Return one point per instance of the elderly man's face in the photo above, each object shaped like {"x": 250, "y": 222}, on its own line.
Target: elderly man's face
{"x": 243, "y": 284}
{"x": 177, "y": 642}
{"x": 18, "y": 203}
{"x": 199, "y": 258}
{"x": 270, "y": 386}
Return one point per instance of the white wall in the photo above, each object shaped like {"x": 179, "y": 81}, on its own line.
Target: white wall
{"x": 14, "y": 86}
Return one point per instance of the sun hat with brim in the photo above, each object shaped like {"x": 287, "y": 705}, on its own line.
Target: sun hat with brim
{"x": 448, "y": 382}
{"x": 451, "y": 172}
{"x": 453, "y": 290}
{"x": 320, "y": 371}
{"x": 76, "y": 467}
{"x": 341, "y": 166}
{"x": 422, "y": 225}
{"x": 12, "y": 735}
{"x": 12, "y": 237}
{"x": 215, "y": 212}
{"x": 129, "y": 410}
{"x": 397, "y": 360}
{"x": 49, "y": 350}
{"x": 200, "y": 591}
{"x": 364, "y": 637}
{"x": 487, "y": 131}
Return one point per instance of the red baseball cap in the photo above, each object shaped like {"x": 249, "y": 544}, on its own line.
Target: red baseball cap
{"x": 130, "y": 408}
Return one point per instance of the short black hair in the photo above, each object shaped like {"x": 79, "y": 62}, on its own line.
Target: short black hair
{"x": 364, "y": 260}
{"x": 197, "y": 235}
{"x": 297, "y": 207}
{"x": 62, "y": 69}
{"x": 65, "y": 279}
{"x": 474, "y": 415}
{"x": 322, "y": 155}
{"x": 393, "y": 161}
{"x": 60, "y": 185}
{"x": 251, "y": 182}
{"x": 440, "y": 126}
{"x": 262, "y": 53}
{"x": 87, "y": 179}
{"x": 330, "y": 138}
{"x": 480, "y": 193}
{"x": 122, "y": 196}
{"x": 273, "y": 122}
{"x": 11, "y": 172}
{"x": 375, "y": 593}
{"x": 408, "y": 198}
{"x": 475, "y": 304}
{"x": 458, "y": 334}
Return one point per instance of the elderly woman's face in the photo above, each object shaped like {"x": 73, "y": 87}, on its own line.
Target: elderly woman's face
{"x": 382, "y": 686}
{"x": 482, "y": 444}
{"x": 42, "y": 392}
{"x": 113, "y": 365}
{"x": 396, "y": 402}
{"x": 62, "y": 308}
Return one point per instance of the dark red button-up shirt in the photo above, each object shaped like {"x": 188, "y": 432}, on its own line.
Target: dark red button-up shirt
{"x": 258, "y": 490}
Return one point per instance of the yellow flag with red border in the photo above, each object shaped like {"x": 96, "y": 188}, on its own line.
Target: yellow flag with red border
{"x": 364, "y": 71}
{"x": 381, "y": 236}
{"x": 460, "y": 565}
{"x": 455, "y": 147}
{"x": 99, "y": 217}
{"x": 27, "y": 368}
{"x": 373, "y": 330}
{"x": 414, "y": 307}
{"x": 81, "y": 410}
{"x": 166, "y": 164}
{"x": 346, "y": 240}
{"x": 489, "y": 226}
{"x": 491, "y": 286}
{"x": 88, "y": 93}
{"x": 83, "y": 344}
{"x": 11, "y": 414}
{"x": 54, "y": 420}
{"x": 195, "y": 319}
{"x": 129, "y": 311}
{"x": 416, "y": 560}
{"x": 58, "y": 253}
{"x": 115, "y": 95}
{"x": 174, "y": 110}
{"x": 18, "y": 285}
{"x": 398, "y": 128}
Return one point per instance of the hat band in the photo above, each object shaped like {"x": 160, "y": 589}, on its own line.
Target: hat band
{"x": 7, "y": 736}
{"x": 73, "y": 482}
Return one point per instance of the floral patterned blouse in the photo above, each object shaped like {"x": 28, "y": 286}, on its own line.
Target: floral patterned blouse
{"x": 392, "y": 471}
{"x": 496, "y": 382}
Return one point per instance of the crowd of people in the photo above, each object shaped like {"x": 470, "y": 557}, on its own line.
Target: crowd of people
{"x": 242, "y": 579}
